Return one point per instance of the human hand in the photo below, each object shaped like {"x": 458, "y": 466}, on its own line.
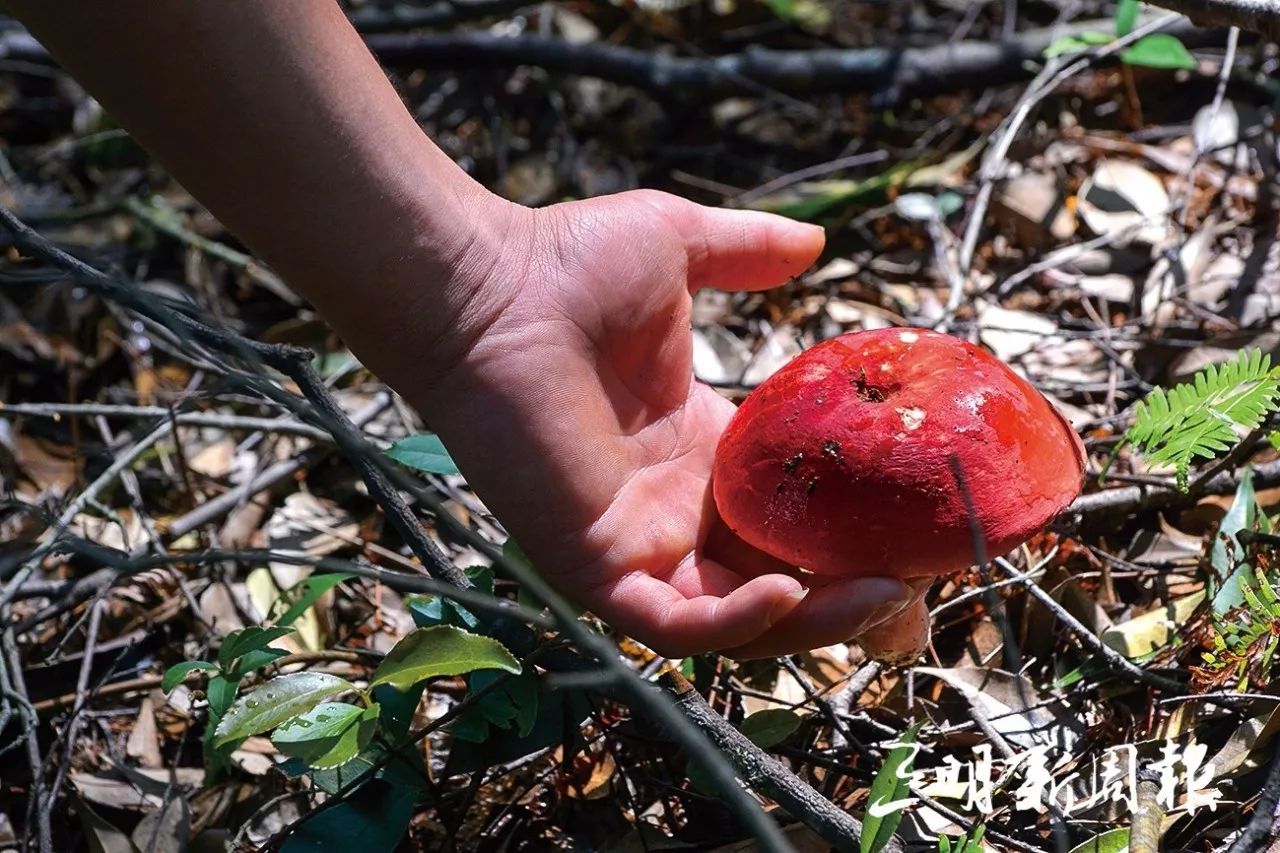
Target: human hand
{"x": 565, "y": 392}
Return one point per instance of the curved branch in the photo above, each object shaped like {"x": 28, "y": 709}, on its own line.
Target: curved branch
{"x": 1259, "y": 16}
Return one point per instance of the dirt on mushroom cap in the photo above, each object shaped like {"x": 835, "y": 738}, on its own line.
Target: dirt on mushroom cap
{"x": 840, "y": 462}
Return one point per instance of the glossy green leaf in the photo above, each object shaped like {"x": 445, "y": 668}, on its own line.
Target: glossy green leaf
{"x": 307, "y": 592}
{"x": 1159, "y": 50}
{"x": 256, "y": 659}
{"x": 245, "y": 640}
{"x": 221, "y": 692}
{"x": 329, "y": 735}
{"x": 888, "y": 787}
{"x": 442, "y": 650}
{"x": 770, "y": 727}
{"x": 176, "y": 674}
{"x": 423, "y": 452}
{"x": 278, "y": 700}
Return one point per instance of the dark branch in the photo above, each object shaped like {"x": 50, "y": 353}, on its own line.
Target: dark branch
{"x": 892, "y": 71}
{"x": 376, "y": 18}
{"x": 1259, "y": 16}
{"x": 925, "y": 70}
{"x": 1129, "y": 498}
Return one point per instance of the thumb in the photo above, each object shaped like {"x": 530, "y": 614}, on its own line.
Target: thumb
{"x": 741, "y": 249}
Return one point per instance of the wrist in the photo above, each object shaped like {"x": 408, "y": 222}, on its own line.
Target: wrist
{"x": 425, "y": 288}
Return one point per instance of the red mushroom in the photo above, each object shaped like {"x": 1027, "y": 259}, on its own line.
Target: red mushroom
{"x": 843, "y": 462}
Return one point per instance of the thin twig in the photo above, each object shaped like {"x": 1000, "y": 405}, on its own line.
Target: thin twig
{"x": 1088, "y": 638}
{"x": 16, "y": 691}
{"x": 767, "y": 775}
{"x": 218, "y": 420}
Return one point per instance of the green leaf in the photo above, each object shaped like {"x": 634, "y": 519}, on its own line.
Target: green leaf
{"x": 812, "y": 15}
{"x": 1078, "y": 43}
{"x": 423, "y": 452}
{"x": 255, "y": 660}
{"x": 558, "y": 715}
{"x": 1159, "y": 50}
{"x": 176, "y": 674}
{"x": 1201, "y": 418}
{"x": 1126, "y": 17}
{"x": 810, "y": 200}
{"x": 442, "y": 650}
{"x": 515, "y": 701}
{"x": 278, "y": 700}
{"x": 329, "y": 735}
{"x": 428, "y": 611}
{"x": 221, "y": 693}
{"x": 1113, "y": 841}
{"x": 1226, "y": 558}
{"x": 245, "y": 640}
{"x": 887, "y": 788}
{"x": 770, "y": 727}
{"x": 308, "y": 592}
{"x": 373, "y": 818}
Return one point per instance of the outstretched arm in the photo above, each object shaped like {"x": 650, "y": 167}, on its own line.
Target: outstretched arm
{"x": 549, "y": 348}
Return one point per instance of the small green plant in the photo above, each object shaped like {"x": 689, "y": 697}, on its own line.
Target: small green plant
{"x": 1243, "y": 641}
{"x": 242, "y": 653}
{"x": 1207, "y": 416}
{"x": 969, "y": 842}
{"x": 1158, "y": 50}
{"x": 343, "y": 744}
{"x": 888, "y": 791}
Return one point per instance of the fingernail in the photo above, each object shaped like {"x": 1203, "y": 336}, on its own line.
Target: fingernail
{"x": 786, "y": 604}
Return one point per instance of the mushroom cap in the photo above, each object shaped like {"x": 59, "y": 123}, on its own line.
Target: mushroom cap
{"x": 840, "y": 462}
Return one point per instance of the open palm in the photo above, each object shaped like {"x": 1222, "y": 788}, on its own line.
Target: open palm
{"x": 575, "y": 415}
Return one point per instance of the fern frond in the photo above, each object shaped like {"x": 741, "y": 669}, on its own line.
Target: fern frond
{"x": 1207, "y": 416}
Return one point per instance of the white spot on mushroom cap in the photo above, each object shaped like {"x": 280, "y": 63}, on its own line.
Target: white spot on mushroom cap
{"x": 912, "y": 417}
{"x": 908, "y": 337}
{"x": 972, "y": 402}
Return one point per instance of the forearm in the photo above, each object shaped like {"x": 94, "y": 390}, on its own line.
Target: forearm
{"x": 278, "y": 119}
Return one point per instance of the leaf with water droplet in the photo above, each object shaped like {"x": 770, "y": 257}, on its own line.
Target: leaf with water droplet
{"x": 291, "y": 695}
{"x": 329, "y": 735}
